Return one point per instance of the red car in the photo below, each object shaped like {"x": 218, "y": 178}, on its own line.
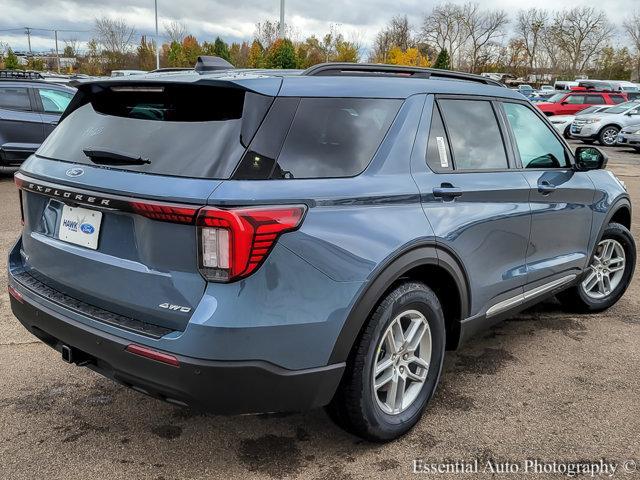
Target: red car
{"x": 570, "y": 103}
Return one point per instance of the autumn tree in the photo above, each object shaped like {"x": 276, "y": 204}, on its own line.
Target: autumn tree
{"x": 146, "y": 54}
{"x": 397, "y": 33}
{"x": 529, "y": 29}
{"x": 239, "y": 54}
{"x": 191, "y": 50}
{"x": 580, "y": 34}
{"x": 281, "y": 54}
{"x": 483, "y": 28}
{"x": 175, "y": 55}
{"x": 256, "y": 55}
{"x": 411, "y": 57}
{"x": 114, "y": 37}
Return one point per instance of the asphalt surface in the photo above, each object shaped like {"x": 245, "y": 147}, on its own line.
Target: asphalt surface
{"x": 544, "y": 384}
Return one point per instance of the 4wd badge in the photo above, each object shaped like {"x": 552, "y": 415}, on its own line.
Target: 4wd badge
{"x": 175, "y": 308}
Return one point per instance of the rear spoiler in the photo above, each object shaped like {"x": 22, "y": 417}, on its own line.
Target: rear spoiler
{"x": 268, "y": 86}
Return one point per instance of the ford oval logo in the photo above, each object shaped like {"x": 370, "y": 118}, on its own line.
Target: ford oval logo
{"x": 74, "y": 172}
{"x": 87, "y": 228}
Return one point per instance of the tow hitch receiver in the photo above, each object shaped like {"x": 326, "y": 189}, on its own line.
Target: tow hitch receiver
{"x": 73, "y": 355}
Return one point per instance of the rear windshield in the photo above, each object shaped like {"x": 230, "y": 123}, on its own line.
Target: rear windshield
{"x": 179, "y": 131}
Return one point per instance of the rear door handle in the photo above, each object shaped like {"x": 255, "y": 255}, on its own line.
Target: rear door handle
{"x": 546, "y": 188}
{"x": 447, "y": 192}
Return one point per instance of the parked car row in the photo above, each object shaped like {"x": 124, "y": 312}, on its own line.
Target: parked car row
{"x": 609, "y": 125}
{"x": 29, "y": 111}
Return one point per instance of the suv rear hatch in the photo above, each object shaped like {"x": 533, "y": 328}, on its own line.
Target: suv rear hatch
{"x": 111, "y": 197}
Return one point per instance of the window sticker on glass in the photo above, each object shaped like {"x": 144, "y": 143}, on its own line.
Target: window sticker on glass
{"x": 442, "y": 152}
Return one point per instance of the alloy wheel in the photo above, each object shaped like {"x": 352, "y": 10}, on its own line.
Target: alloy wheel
{"x": 402, "y": 362}
{"x": 606, "y": 269}
{"x": 609, "y": 136}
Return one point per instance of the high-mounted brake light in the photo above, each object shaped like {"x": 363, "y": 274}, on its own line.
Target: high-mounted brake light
{"x": 234, "y": 242}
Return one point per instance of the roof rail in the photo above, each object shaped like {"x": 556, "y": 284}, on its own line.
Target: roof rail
{"x": 13, "y": 74}
{"x": 379, "y": 69}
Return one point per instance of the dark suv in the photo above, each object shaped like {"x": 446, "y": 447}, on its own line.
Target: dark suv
{"x": 29, "y": 111}
{"x": 248, "y": 241}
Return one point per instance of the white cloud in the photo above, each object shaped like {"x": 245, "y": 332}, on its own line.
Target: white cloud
{"x": 235, "y": 20}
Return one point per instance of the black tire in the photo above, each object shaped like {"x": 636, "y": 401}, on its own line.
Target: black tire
{"x": 567, "y": 132}
{"x": 603, "y": 135}
{"x": 637, "y": 149}
{"x": 354, "y": 407}
{"x": 576, "y": 300}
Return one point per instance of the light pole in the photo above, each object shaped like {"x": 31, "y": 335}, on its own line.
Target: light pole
{"x": 157, "y": 39}
{"x": 281, "y": 18}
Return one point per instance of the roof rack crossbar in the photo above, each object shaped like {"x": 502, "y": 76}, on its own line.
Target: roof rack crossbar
{"x": 376, "y": 69}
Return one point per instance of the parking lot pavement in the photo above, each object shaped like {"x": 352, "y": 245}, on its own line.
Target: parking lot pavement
{"x": 544, "y": 385}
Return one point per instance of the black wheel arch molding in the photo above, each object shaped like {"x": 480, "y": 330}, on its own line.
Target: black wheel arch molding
{"x": 414, "y": 255}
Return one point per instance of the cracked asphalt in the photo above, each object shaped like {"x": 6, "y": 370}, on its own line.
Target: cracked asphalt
{"x": 544, "y": 384}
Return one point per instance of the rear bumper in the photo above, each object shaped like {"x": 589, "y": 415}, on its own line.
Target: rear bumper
{"x": 222, "y": 387}
{"x": 633, "y": 140}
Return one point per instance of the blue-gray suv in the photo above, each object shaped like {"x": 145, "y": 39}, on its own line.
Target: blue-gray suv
{"x": 253, "y": 241}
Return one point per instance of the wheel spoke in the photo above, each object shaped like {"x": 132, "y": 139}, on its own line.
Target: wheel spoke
{"x": 392, "y": 392}
{"x": 383, "y": 365}
{"x": 617, "y": 268}
{"x": 390, "y": 342}
{"x": 384, "y": 379}
{"x": 606, "y": 284}
{"x": 415, "y": 333}
{"x": 601, "y": 288}
{"x": 590, "y": 281}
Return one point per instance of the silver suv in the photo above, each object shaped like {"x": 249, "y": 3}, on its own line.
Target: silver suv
{"x": 605, "y": 126}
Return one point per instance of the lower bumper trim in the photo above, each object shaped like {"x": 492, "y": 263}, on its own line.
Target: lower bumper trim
{"x": 222, "y": 387}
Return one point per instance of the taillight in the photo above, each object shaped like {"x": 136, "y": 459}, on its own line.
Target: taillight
{"x": 165, "y": 212}
{"x": 233, "y": 243}
{"x": 18, "y": 183}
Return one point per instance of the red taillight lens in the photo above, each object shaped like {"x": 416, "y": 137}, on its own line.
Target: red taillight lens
{"x": 153, "y": 354}
{"x": 234, "y": 242}
{"x": 164, "y": 212}
{"x": 15, "y": 294}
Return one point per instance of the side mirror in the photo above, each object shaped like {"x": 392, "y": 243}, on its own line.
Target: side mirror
{"x": 590, "y": 158}
{"x": 563, "y": 103}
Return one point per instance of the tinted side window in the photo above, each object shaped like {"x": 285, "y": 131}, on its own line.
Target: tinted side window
{"x": 474, "y": 134}
{"x": 575, "y": 99}
{"x": 594, "y": 99}
{"x": 537, "y": 145}
{"x": 334, "y": 137}
{"x": 438, "y": 154}
{"x": 54, "y": 101}
{"x": 617, "y": 99}
{"x": 15, "y": 98}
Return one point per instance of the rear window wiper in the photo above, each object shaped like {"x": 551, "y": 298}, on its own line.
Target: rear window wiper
{"x": 111, "y": 157}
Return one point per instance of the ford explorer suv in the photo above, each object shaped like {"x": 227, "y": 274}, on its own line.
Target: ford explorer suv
{"x": 247, "y": 241}
{"x": 570, "y": 103}
{"x": 604, "y": 126}
{"x": 29, "y": 111}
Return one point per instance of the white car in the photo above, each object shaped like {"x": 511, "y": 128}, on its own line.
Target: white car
{"x": 605, "y": 126}
{"x": 562, "y": 123}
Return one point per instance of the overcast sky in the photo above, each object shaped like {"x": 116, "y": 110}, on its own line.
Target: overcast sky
{"x": 234, "y": 20}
